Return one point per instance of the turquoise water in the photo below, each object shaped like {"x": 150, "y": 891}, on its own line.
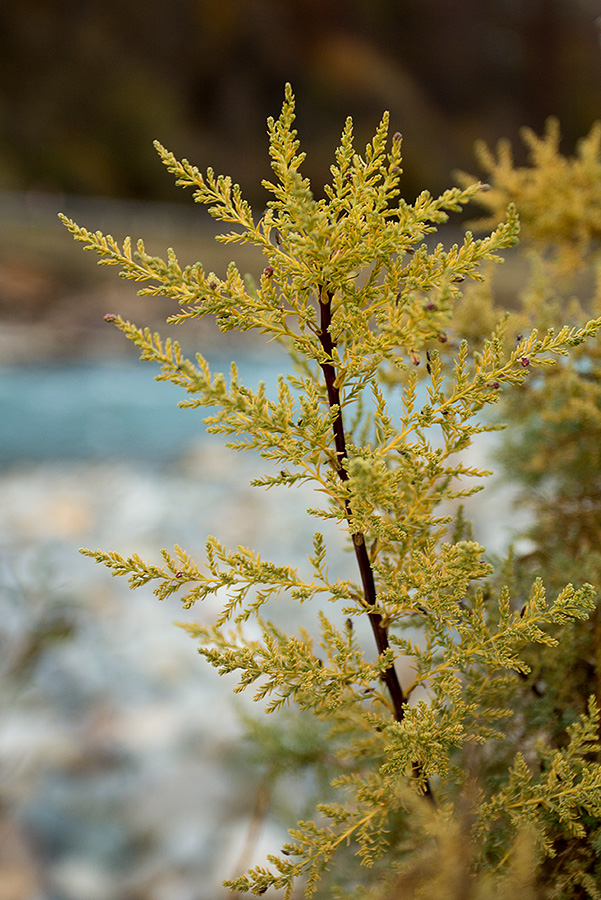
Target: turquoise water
{"x": 105, "y": 411}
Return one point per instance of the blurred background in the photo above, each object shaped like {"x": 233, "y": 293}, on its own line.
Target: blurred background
{"x": 87, "y": 86}
{"x": 124, "y": 772}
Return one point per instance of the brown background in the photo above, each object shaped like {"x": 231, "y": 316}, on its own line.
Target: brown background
{"x": 85, "y": 86}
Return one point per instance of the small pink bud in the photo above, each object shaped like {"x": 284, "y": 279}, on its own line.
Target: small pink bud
{"x": 495, "y": 385}
{"x": 179, "y": 574}
{"x": 442, "y": 338}
{"x": 525, "y": 361}
{"x": 268, "y": 271}
{"x": 213, "y": 285}
{"x": 430, "y": 306}
{"x": 397, "y": 136}
{"x": 110, "y": 317}
{"x": 414, "y": 358}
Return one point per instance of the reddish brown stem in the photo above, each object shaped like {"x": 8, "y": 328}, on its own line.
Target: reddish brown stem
{"x": 390, "y": 677}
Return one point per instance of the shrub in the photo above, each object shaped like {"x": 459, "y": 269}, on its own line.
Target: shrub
{"x": 424, "y": 725}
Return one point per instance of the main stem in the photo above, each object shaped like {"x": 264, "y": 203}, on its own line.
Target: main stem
{"x": 399, "y": 700}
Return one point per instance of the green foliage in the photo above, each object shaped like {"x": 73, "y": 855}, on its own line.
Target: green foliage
{"x": 559, "y": 197}
{"x": 384, "y": 398}
{"x": 552, "y": 447}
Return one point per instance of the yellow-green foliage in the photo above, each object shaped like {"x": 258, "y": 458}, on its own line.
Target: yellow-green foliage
{"x": 558, "y": 197}
{"x": 381, "y": 402}
{"x": 553, "y": 445}
{"x": 556, "y": 451}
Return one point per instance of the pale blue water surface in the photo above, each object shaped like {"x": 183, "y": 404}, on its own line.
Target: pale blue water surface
{"x": 101, "y": 411}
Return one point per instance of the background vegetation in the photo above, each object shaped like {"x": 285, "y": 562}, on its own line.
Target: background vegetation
{"x": 86, "y": 86}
